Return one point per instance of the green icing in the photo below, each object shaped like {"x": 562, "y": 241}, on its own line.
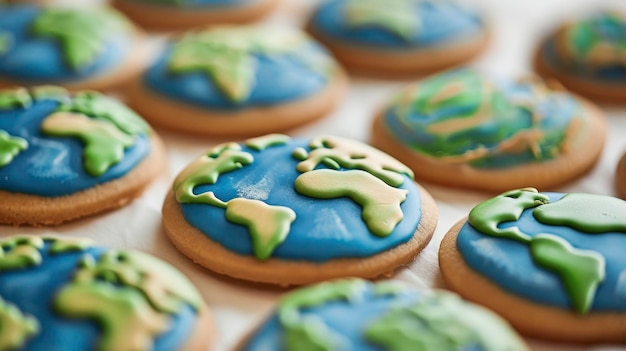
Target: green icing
{"x": 15, "y": 326}
{"x": 68, "y": 244}
{"x": 389, "y": 288}
{"x": 263, "y": 142}
{"x": 104, "y": 142}
{"x": 83, "y": 35}
{"x": 339, "y": 153}
{"x": 6, "y": 39}
{"x": 10, "y": 146}
{"x": 440, "y": 321}
{"x": 20, "y": 252}
{"x": 50, "y": 92}
{"x": 226, "y": 55}
{"x": 580, "y": 270}
{"x": 587, "y": 213}
{"x": 268, "y": 225}
{"x": 396, "y": 16}
{"x": 380, "y": 202}
{"x": 310, "y": 332}
{"x": 12, "y": 98}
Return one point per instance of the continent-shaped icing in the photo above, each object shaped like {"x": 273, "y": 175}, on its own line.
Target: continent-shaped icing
{"x": 462, "y": 117}
{"x": 273, "y": 204}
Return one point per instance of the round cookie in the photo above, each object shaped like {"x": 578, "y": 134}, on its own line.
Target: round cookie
{"x": 79, "y": 48}
{"x": 398, "y": 37}
{"x": 67, "y": 294}
{"x": 64, "y": 156}
{"x": 285, "y": 211}
{"x": 358, "y": 315}
{"x": 239, "y": 80}
{"x": 550, "y": 263}
{"x": 184, "y": 14}
{"x": 588, "y": 56}
{"x": 461, "y": 129}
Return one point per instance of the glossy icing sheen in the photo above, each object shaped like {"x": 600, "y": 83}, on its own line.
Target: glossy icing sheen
{"x": 60, "y": 45}
{"x": 239, "y": 67}
{"x": 555, "y": 249}
{"x": 52, "y": 144}
{"x": 462, "y": 117}
{"x": 358, "y": 315}
{"x": 66, "y": 294}
{"x": 593, "y": 47}
{"x": 310, "y": 200}
{"x": 398, "y": 24}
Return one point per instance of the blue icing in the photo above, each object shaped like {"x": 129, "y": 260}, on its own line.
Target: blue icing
{"x": 323, "y": 229}
{"x": 508, "y": 263}
{"x": 348, "y": 319}
{"x": 53, "y": 166}
{"x": 557, "y": 109}
{"x": 39, "y": 59}
{"x": 279, "y": 78}
{"x": 440, "y": 23}
{"x": 34, "y": 289}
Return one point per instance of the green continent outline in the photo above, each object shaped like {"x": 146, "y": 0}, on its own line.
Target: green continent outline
{"x": 398, "y": 17}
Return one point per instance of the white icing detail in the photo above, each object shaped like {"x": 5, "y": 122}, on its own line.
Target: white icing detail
{"x": 328, "y": 224}
{"x": 620, "y": 286}
{"x": 52, "y": 160}
{"x": 489, "y": 249}
{"x": 250, "y": 188}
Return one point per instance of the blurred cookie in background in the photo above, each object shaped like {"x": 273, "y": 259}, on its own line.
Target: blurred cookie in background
{"x": 588, "y": 56}
{"x": 76, "y": 47}
{"x": 185, "y": 14}
{"x": 399, "y": 38}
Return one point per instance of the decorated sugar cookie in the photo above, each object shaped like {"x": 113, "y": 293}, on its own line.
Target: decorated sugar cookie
{"x": 293, "y": 211}
{"x": 239, "y": 80}
{"x": 66, "y": 156}
{"x": 358, "y": 315}
{"x": 398, "y": 37}
{"x": 75, "y": 47}
{"x": 462, "y": 129}
{"x": 588, "y": 56}
{"x": 550, "y": 263}
{"x": 182, "y": 14}
{"x": 68, "y": 294}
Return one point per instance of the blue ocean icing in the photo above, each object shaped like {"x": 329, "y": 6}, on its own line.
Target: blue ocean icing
{"x": 440, "y": 23}
{"x": 323, "y": 229}
{"x": 39, "y": 59}
{"x": 279, "y": 78}
{"x": 557, "y": 110}
{"x": 34, "y": 289}
{"x": 53, "y": 166}
{"x": 508, "y": 263}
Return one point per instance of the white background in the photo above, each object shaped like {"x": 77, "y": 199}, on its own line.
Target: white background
{"x": 238, "y": 306}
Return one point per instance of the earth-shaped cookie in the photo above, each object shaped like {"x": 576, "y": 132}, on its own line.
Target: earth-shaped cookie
{"x": 356, "y": 315}
{"x": 552, "y": 264}
{"x": 239, "y": 80}
{"x": 94, "y": 48}
{"x": 462, "y": 129}
{"x": 588, "y": 56}
{"x": 66, "y": 294}
{"x": 66, "y": 156}
{"x": 294, "y": 211}
{"x": 398, "y": 37}
{"x": 181, "y": 14}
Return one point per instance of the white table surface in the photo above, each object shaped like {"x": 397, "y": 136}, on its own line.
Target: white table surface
{"x": 237, "y": 306}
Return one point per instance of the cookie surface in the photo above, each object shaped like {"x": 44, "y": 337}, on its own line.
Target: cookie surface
{"x": 398, "y": 37}
{"x": 285, "y": 211}
{"x": 239, "y": 80}
{"x": 183, "y": 14}
{"x": 461, "y": 129}
{"x": 359, "y": 315}
{"x": 66, "y": 156}
{"x": 68, "y": 294}
{"x": 549, "y": 263}
{"x": 588, "y": 56}
{"x": 74, "y": 47}
{"x": 620, "y": 177}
